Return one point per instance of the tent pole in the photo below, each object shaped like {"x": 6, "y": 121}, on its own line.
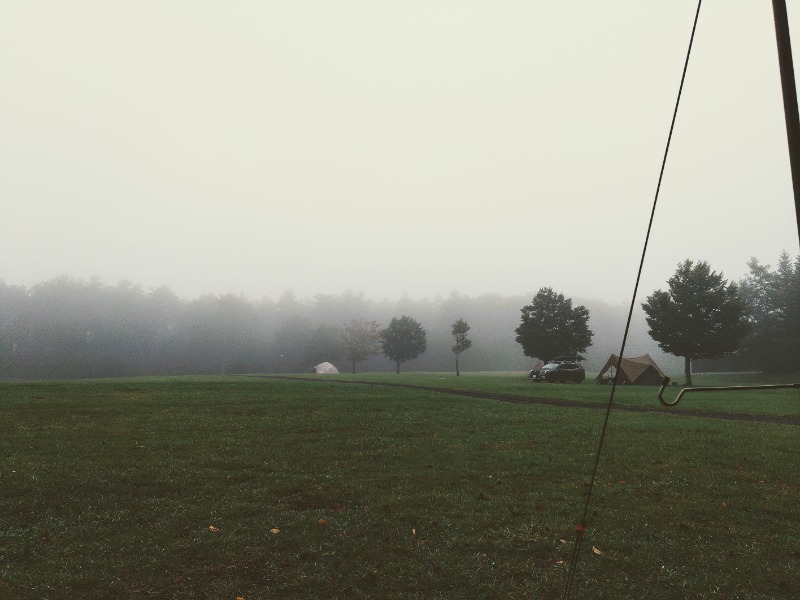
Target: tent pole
{"x": 789, "y": 98}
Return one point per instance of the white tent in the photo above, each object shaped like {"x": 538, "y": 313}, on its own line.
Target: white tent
{"x": 325, "y": 368}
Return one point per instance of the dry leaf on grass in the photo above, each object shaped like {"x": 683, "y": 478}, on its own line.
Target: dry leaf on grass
{"x": 213, "y": 529}
{"x": 275, "y": 531}
{"x": 322, "y": 522}
{"x": 595, "y": 550}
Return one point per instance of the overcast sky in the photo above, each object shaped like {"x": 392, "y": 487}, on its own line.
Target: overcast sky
{"x": 388, "y": 147}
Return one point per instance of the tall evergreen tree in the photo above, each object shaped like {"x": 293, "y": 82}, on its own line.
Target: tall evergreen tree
{"x": 773, "y": 299}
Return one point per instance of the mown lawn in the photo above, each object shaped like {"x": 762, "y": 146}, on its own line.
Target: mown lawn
{"x": 771, "y": 402}
{"x": 261, "y": 488}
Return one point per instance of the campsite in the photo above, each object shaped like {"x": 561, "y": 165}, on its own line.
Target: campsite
{"x": 340, "y": 300}
{"x": 314, "y": 487}
{"x": 638, "y": 370}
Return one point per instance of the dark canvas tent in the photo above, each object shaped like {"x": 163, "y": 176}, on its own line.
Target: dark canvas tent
{"x": 641, "y": 370}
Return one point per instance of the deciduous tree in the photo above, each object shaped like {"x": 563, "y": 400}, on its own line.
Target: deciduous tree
{"x": 403, "y": 340}
{"x": 360, "y": 340}
{"x": 552, "y": 326}
{"x": 700, "y": 316}
{"x": 460, "y": 329}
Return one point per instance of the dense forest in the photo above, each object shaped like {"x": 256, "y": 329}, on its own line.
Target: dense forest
{"x": 69, "y": 328}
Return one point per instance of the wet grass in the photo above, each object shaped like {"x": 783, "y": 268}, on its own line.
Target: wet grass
{"x": 318, "y": 489}
{"x": 781, "y": 402}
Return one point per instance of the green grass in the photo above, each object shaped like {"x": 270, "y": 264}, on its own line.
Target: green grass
{"x": 767, "y": 402}
{"x": 108, "y": 489}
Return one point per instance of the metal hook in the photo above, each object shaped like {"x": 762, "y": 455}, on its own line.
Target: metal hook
{"x": 719, "y": 389}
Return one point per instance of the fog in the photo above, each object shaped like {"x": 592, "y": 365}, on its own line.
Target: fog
{"x": 388, "y": 148}
{"x": 66, "y": 328}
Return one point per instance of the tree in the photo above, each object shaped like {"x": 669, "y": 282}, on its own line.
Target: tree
{"x": 324, "y": 344}
{"x": 701, "y": 316}
{"x": 403, "y": 340}
{"x": 551, "y": 326}
{"x": 460, "y": 329}
{"x": 773, "y": 299}
{"x": 360, "y": 340}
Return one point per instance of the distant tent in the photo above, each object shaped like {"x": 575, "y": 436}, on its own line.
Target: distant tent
{"x": 641, "y": 370}
{"x": 325, "y": 368}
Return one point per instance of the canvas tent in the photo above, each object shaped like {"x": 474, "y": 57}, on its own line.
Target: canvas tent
{"x": 325, "y": 368}
{"x": 641, "y": 370}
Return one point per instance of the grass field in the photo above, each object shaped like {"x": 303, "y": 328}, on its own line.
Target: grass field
{"x": 263, "y": 488}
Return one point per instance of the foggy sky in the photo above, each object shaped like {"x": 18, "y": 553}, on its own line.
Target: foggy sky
{"x": 414, "y": 147}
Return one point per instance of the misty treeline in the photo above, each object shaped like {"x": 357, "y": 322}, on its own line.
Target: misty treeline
{"x": 68, "y": 328}
{"x": 772, "y": 296}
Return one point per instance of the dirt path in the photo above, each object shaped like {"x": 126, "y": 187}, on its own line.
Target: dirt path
{"x": 560, "y": 402}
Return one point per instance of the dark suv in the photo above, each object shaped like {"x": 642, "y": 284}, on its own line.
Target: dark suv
{"x": 561, "y": 369}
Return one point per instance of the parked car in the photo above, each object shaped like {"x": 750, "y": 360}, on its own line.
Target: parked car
{"x": 561, "y": 369}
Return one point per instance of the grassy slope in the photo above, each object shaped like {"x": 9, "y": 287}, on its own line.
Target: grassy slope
{"x": 108, "y": 489}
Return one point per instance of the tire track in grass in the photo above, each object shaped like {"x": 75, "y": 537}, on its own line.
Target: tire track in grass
{"x": 560, "y": 402}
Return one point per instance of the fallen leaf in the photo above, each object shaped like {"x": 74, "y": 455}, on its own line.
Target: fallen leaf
{"x": 275, "y": 531}
{"x": 565, "y": 541}
{"x": 213, "y": 529}
{"x": 724, "y": 505}
{"x": 595, "y": 550}
{"x": 322, "y": 522}
{"x": 239, "y": 597}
